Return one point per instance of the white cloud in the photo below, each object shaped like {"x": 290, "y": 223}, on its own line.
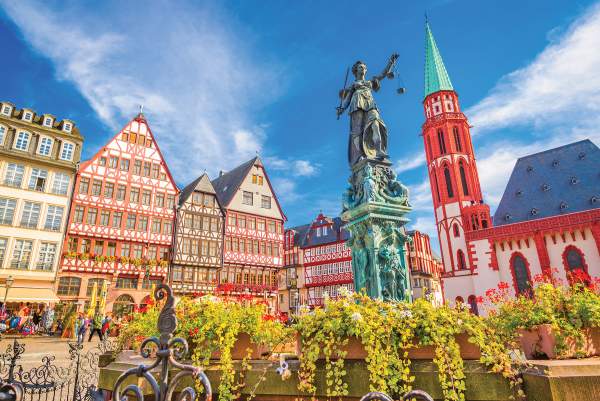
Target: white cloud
{"x": 295, "y": 167}
{"x": 561, "y": 84}
{"x": 425, "y": 225}
{"x": 420, "y": 196}
{"x": 410, "y": 163}
{"x": 305, "y": 168}
{"x": 285, "y": 189}
{"x": 195, "y": 77}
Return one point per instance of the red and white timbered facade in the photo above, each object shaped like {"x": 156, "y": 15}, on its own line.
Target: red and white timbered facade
{"x": 425, "y": 268}
{"x": 121, "y": 221}
{"x": 253, "y": 233}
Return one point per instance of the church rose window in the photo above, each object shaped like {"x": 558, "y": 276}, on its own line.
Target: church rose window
{"x": 520, "y": 271}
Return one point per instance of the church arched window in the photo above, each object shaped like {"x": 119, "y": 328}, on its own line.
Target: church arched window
{"x": 463, "y": 178}
{"x": 456, "y": 230}
{"x": 460, "y": 260}
{"x": 457, "y": 139}
{"x": 472, "y": 300}
{"x": 441, "y": 141}
{"x": 521, "y": 276}
{"x": 429, "y": 151}
{"x": 448, "y": 182}
{"x": 575, "y": 265}
{"x": 437, "y": 188}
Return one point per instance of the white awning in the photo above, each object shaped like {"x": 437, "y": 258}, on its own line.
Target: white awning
{"x": 28, "y": 294}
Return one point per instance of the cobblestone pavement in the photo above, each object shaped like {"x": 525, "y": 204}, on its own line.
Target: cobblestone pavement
{"x": 36, "y": 347}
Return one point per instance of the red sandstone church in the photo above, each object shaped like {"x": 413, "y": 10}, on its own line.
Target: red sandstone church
{"x": 548, "y": 221}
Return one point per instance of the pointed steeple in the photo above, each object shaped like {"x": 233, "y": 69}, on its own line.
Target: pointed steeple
{"x": 436, "y": 76}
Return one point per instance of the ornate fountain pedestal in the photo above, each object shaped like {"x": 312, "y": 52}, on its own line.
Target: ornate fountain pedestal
{"x": 374, "y": 211}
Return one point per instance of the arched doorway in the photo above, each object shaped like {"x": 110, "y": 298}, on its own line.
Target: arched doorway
{"x": 123, "y": 305}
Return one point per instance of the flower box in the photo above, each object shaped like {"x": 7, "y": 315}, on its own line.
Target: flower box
{"x": 240, "y": 349}
{"x": 355, "y": 350}
{"x": 540, "y": 343}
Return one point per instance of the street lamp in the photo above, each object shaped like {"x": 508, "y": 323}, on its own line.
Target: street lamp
{"x": 7, "y": 284}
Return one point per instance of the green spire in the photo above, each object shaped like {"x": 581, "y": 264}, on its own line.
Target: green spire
{"x": 436, "y": 77}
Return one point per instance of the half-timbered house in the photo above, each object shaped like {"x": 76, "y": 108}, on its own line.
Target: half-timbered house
{"x": 198, "y": 240}
{"x": 120, "y": 223}
{"x": 253, "y": 250}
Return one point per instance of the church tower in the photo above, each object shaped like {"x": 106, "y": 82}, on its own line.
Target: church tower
{"x": 455, "y": 188}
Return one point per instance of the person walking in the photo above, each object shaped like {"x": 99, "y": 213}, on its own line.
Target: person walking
{"x": 96, "y": 326}
{"x": 106, "y": 325}
{"x": 80, "y": 328}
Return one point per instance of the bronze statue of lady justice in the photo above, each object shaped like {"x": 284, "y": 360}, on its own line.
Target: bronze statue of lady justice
{"x": 368, "y": 133}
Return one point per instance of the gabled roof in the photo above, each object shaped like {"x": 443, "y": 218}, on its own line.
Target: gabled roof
{"x": 201, "y": 184}
{"x": 436, "y": 76}
{"x": 227, "y": 184}
{"x": 300, "y": 234}
{"x": 334, "y": 234}
{"x": 554, "y": 182}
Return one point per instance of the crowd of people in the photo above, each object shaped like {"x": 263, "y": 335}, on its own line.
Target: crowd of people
{"x": 98, "y": 324}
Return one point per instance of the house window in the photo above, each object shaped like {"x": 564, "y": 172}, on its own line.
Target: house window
{"x": 6, "y": 110}
{"x": 126, "y": 282}
{"x": 86, "y": 245}
{"x": 117, "y": 218}
{"x": 146, "y": 197}
{"x": 46, "y": 256}
{"x": 147, "y": 166}
{"x": 463, "y": 178}
{"x": 27, "y": 116}
{"x": 521, "y": 275}
{"x": 78, "y": 215}
{"x": 2, "y": 133}
{"x": 7, "y": 210}
{"x": 124, "y": 164}
{"x": 109, "y": 189}
{"x": 48, "y": 121}
{"x": 67, "y": 151}
{"x": 123, "y": 306}
{"x": 96, "y": 187}
{"x": 208, "y": 200}
{"x": 257, "y": 179}
{"x": 104, "y": 218}
{"x": 45, "y": 146}
{"x": 136, "y": 252}
{"x": 131, "y": 218}
{"x": 121, "y": 189}
{"x": 271, "y": 226}
{"x": 14, "y": 175}
{"x": 167, "y": 227}
{"x": 159, "y": 200}
{"x": 457, "y": 139}
{"x": 54, "y": 218}
{"x": 152, "y": 252}
{"x": 261, "y": 225}
{"x": 22, "y": 141}
{"x": 265, "y": 202}
{"x": 69, "y": 286}
{"x": 102, "y": 161}
{"x": 3, "y": 244}
{"x": 460, "y": 258}
{"x": 441, "y": 141}
{"x": 99, "y": 282}
{"x": 113, "y": 161}
{"x": 21, "y": 254}
{"x": 60, "y": 185}
{"x": 67, "y": 127}
{"x": 98, "y": 247}
{"x": 37, "y": 181}
{"x": 155, "y": 170}
{"x": 448, "y": 182}
{"x": 84, "y": 185}
{"x": 134, "y": 195}
{"x": 125, "y": 249}
{"x": 31, "y": 214}
{"x": 170, "y": 201}
{"x": 247, "y": 198}
{"x": 156, "y": 225}
{"x": 92, "y": 214}
{"x": 137, "y": 167}
{"x": 177, "y": 274}
{"x": 143, "y": 224}
{"x": 324, "y": 228}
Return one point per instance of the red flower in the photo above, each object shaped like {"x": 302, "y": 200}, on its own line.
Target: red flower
{"x": 268, "y": 317}
{"x": 479, "y": 299}
{"x": 503, "y": 285}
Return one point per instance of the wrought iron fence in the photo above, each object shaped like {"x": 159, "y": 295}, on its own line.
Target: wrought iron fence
{"x": 76, "y": 381}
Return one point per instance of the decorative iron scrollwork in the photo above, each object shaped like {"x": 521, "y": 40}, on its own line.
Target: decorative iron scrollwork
{"x": 169, "y": 355}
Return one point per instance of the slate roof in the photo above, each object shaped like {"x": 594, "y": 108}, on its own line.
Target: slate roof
{"x": 554, "y": 182}
{"x": 436, "y": 76}
{"x": 306, "y": 235}
{"x": 300, "y": 234}
{"x": 202, "y": 183}
{"x": 227, "y": 184}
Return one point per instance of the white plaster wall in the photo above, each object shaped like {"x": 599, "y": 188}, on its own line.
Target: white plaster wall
{"x": 587, "y": 246}
{"x": 486, "y": 277}
{"x": 258, "y": 191}
{"x": 462, "y": 286}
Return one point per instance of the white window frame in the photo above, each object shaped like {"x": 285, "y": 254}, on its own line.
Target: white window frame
{"x": 17, "y": 172}
{"x": 60, "y": 183}
{"x": 67, "y": 126}
{"x": 25, "y": 114}
{"x": 3, "y": 246}
{"x": 45, "y": 145}
{"x": 46, "y": 256}
{"x": 36, "y": 174}
{"x": 6, "y": 110}
{"x": 46, "y": 119}
{"x": 19, "y": 141}
{"x": 3, "y": 131}
{"x": 30, "y": 216}
{"x": 25, "y": 249}
{"x": 8, "y": 206}
{"x": 64, "y": 151}
{"x": 54, "y": 217}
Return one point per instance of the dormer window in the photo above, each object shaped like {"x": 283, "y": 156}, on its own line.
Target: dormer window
{"x": 574, "y": 180}
{"x": 529, "y": 169}
{"x": 6, "y": 110}
{"x": 48, "y": 122}
{"x": 27, "y": 116}
{"x": 67, "y": 127}
{"x": 22, "y": 141}
{"x": 534, "y": 212}
{"x": 581, "y": 156}
{"x": 45, "y": 146}
{"x": 519, "y": 193}
{"x": 67, "y": 151}
{"x": 545, "y": 187}
{"x": 594, "y": 199}
{"x": 563, "y": 205}
{"x": 555, "y": 163}
{"x": 324, "y": 230}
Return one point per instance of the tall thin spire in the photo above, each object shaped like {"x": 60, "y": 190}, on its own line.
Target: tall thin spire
{"x": 436, "y": 76}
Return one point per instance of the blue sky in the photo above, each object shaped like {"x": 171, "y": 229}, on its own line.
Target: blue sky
{"x": 223, "y": 80}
